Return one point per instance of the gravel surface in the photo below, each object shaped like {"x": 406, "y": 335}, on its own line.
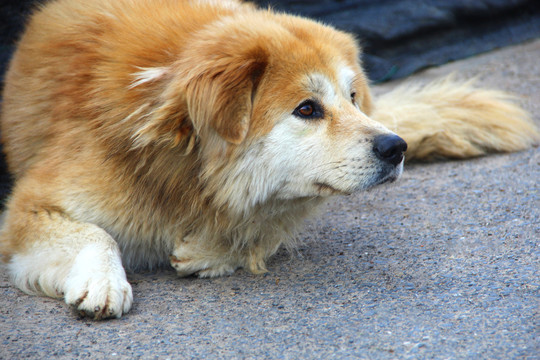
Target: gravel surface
{"x": 443, "y": 264}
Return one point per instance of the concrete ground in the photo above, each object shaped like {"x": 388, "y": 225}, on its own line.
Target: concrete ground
{"x": 444, "y": 264}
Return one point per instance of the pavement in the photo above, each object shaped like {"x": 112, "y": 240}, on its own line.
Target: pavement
{"x": 443, "y": 264}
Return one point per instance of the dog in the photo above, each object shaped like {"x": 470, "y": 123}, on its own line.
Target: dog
{"x": 198, "y": 135}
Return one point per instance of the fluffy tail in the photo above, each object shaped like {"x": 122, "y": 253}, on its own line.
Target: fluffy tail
{"x": 450, "y": 119}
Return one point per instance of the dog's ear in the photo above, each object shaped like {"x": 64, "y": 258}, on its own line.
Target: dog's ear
{"x": 220, "y": 90}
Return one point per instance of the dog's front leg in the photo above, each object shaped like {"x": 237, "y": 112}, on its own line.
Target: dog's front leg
{"x": 51, "y": 254}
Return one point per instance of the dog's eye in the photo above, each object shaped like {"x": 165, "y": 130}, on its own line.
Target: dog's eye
{"x": 306, "y": 110}
{"x": 309, "y": 109}
{"x": 353, "y": 97}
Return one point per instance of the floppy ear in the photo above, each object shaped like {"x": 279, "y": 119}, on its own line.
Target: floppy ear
{"x": 200, "y": 93}
{"x": 219, "y": 93}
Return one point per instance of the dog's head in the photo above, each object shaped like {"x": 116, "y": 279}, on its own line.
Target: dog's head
{"x": 280, "y": 107}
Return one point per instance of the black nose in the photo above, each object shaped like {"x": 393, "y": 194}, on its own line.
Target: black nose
{"x": 389, "y": 148}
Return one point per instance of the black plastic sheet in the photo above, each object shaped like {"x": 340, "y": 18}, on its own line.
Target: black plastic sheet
{"x": 400, "y": 37}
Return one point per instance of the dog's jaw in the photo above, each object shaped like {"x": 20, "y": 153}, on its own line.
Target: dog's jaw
{"x": 390, "y": 176}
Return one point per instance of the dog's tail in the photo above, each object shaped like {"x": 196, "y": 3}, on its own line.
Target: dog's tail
{"x": 451, "y": 119}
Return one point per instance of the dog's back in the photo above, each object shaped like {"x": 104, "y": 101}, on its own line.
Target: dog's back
{"x": 63, "y": 52}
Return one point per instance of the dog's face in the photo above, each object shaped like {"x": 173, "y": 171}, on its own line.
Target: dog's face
{"x": 322, "y": 141}
{"x": 281, "y": 109}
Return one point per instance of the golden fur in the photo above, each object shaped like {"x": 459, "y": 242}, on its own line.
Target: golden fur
{"x": 144, "y": 133}
{"x": 450, "y": 119}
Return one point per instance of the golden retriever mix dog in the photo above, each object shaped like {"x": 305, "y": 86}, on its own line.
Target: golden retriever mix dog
{"x": 200, "y": 134}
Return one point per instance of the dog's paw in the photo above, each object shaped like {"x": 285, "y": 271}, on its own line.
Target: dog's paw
{"x": 222, "y": 270}
{"x": 99, "y": 296}
{"x": 97, "y": 286}
{"x": 201, "y": 268}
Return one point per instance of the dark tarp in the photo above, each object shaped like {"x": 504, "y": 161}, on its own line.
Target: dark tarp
{"x": 400, "y": 37}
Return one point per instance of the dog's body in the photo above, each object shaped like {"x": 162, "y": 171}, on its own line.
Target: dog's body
{"x": 200, "y": 134}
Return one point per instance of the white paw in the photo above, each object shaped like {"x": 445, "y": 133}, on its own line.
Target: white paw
{"x": 222, "y": 270}
{"x": 97, "y": 284}
{"x": 201, "y": 268}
